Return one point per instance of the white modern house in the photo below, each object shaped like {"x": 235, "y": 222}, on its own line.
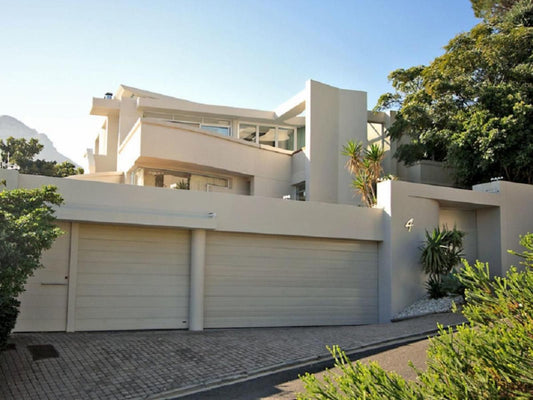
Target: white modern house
{"x": 233, "y": 251}
{"x": 150, "y": 139}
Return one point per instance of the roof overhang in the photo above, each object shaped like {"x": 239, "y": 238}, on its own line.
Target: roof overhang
{"x": 105, "y": 107}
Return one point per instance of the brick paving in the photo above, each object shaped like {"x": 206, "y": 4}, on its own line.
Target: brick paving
{"x": 141, "y": 364}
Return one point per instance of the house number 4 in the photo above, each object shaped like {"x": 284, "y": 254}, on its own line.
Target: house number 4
{"x": 409, "y": 224}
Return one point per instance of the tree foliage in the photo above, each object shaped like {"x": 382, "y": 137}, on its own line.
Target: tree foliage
{"x": 26, "y": 229}
{"x": 488, "y": 9}
{"x": 22, "y": 152}
{"x": 472, "y": 107}
{"x": 490, "y": 359}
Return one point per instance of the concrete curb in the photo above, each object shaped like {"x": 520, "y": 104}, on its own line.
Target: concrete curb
{"x": 295, "y": 364}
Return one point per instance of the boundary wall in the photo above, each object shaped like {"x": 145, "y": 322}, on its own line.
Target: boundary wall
{"x": 493, "y": 214}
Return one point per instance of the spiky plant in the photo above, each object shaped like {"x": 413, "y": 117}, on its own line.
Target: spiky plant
{"x": 365, "y": 166}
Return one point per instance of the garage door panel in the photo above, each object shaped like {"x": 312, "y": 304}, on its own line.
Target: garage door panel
{"x": 139, "y": 290}
{"x": 289, "y": 253}
{"x": 262, "y": 280}
{"x": 288, "y": 242}
{"x": 168, "y": 243}
{"x": 132, "y": 278}
{"x": 308, "y": 304}
{"x": 219, "y": 291}
{"x": 128, "y": 312}
{"x": 130, "y": 301}
{"x": 158, "y": 269}
{"x": 102, "y": 324}
{"x": 125, "y": 233}
{"x": 266, "y": 269}
{"x": 146, "y": 256}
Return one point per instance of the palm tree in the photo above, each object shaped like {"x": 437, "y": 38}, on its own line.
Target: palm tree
{"x": 365, "y": 165}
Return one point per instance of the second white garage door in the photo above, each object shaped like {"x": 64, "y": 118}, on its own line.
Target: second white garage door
{"x": 132, "y": 278}
{"x": 261, "y": 280}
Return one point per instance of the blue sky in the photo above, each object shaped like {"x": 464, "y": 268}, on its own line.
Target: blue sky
{"x": 56, "y": 55}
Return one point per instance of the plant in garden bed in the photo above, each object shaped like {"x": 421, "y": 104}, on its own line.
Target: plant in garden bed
{"x": 441, "y": 252}
{"x": 26, "y": 229}
{"x": 490, "y": 359}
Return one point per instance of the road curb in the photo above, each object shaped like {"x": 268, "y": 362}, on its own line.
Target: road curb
{"x": 244, "y": 376}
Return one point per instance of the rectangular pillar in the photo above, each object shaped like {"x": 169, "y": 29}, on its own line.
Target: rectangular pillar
{"x": 196, "y": 299}
{"x": 72, "y": 276}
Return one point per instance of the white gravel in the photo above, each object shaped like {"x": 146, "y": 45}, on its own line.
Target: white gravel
{"x": 428, "y": 306}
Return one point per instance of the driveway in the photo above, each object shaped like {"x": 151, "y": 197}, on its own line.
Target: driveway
{"x": 166, "y": 364}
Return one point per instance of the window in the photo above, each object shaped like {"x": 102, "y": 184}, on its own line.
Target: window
{"x": 285, "y": 138}
{"x": 301, "y": 137}
{"x": 267, "y": 135}
{"x": 300, "y": 191}
{"x": 222, "y": 130}
{"x": 247, "y": 132}
{"x": 222, "y": 127}
{"x": 275, "y": 136}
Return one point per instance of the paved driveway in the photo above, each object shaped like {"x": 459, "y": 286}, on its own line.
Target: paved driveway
{"x": 146, "y": 364}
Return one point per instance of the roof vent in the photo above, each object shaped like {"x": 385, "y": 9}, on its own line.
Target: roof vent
{"x": 108, "y": 96}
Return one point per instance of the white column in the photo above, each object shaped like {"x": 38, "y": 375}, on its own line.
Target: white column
{"x": 196, "y": 299}
{"x": 72, "y": 276}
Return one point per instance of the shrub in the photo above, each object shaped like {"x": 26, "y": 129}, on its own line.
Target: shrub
{"x": 26, "y": 229}
{"x": 435, "y": 288}
{"x": 8, "y": 317}
{"x": 490, "y": 359}
{"x": 451, "y": 284}
{"x": 441, "y": 252}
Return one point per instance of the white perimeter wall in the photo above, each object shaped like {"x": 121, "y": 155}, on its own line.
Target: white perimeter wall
{"x": 495, "y": 214}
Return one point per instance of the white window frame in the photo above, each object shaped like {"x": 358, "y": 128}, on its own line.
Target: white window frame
{"x": 276, "y": 144}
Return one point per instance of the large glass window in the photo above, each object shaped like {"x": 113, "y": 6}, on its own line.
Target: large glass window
{"x": 301, "y": 137}
{"x": 275, "y": 136}
{"x": 247, "y": 132}
{"x": 267, "y": 135}
{"x": 286, "y": 138}
{"x": 222, "y": 130}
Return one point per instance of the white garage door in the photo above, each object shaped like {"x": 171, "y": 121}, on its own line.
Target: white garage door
{"x": 261, "y": 280}
{"x": 132, "y": 278}
{"x": 44, "y": 303}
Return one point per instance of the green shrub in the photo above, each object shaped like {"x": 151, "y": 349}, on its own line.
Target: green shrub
{"x": 435, "y": 288}
{"x": 451, "y": 284}
{"x": 441, "y": 252}
{"x": 8, "y": 317}
{"x": 490, "y": 359}
{"x": 26, "y": 229}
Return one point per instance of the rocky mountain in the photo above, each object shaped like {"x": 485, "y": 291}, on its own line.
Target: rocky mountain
{"x": 10, "y": 126}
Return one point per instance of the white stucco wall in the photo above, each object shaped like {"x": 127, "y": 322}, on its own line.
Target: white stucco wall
{"x": 333, "y": 116}
{"x": 269, "y": 169}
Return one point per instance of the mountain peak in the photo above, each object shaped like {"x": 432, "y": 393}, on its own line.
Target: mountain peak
{"x": 10, "y": 126}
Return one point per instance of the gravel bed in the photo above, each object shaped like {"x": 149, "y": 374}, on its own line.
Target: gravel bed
{"x": 428, "y": 306}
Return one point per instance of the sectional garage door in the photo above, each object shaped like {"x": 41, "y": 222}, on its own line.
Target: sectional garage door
{"x": 132, "y": 278}
{"x": 261, "y": 280}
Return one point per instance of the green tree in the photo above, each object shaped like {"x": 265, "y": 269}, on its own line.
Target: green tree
{"x": 487, "y": 9}
{"x": 26, "y": 229}
{"x": 22, "y": 152}
{"x": 492, "y": 358}
{"x": 472, "y": 107}
{"x": 66, "y": 169}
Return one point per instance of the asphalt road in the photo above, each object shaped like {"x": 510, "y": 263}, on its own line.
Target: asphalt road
{"x": 285, "y": 385}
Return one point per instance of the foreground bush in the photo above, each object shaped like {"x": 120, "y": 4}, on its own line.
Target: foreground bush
{"x": 490, "y": 359}
{"x": 26, "y": 229}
